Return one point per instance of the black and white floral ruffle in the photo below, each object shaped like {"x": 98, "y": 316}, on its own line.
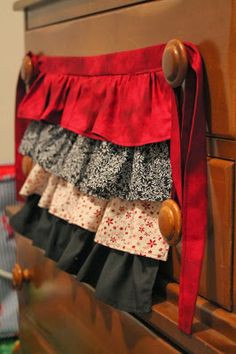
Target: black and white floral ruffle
{"x": 100, "y": 168}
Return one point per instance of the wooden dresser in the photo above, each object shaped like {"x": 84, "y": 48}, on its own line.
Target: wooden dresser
{"x": 59, "y": 315}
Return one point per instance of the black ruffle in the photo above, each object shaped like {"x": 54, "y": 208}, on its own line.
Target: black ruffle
{"x": 46, "y": 231}
{"x": 26, "y": 219}
{"x": 120, "y": 279}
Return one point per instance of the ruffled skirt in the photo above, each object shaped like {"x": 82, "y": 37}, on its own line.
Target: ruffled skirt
{"x": 93, "y": 199}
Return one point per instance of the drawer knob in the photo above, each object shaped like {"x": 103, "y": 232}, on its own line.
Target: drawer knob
{"x": 17, "y": 347}
{"x": 19, "y": 276}
{"x": 175, "y": 62}
{"x": 27, "y": 70}
{"x": 26, "y": 165}
{"x": 170, "y": 221}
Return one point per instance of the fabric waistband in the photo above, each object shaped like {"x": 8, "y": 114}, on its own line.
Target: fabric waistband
{"x": 122, "y": 63}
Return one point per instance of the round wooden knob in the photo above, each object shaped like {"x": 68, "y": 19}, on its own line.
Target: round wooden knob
{"x": 170, "y": 221}
{"x": 27, "y": 69}
{"x": 19, "y": 276}
{"x": 27, "y": 164}
{"x": 17, "y": 347}
{"x": 175, "y": 62}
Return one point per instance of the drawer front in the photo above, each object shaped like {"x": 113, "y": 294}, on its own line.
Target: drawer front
{"x": 70, "y": 319}
{"x": 155, "y": 22}
{"x": 31, "y": 339}
{"x": 217, "y": 272}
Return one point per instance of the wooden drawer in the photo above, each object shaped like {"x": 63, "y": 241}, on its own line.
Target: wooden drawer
{"x": 58, "y": 315}
{"x": 64, "y": 316}
{"x": 32, "y": 340}
{"x": 146, "y": 24}
{"x": 217, "y": 272}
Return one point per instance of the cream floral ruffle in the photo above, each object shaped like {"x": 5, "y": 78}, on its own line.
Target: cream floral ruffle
{"x": 77, "y": 208}
{"x": 64, "y": 200}
{"x": 36, "y": 181}
{"x": 128, "y": 226}
{"x": 133, "y": 227}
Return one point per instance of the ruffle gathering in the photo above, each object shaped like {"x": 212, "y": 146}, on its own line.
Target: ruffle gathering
{"x": 130, "y": 106}
{"x": 100, "y": 168}
{"x": 126, "y": 226}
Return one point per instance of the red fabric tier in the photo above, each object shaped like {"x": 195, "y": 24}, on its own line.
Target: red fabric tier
{"x": 124, "y": 98}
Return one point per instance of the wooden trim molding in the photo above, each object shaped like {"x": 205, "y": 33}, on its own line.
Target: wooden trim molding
{"x": 214, "y": 329}
{"x": 221, "y": 148}
{"x": 87, "y": 7}
{"x": 23, "y": 4}
{"x": 234, "y": 244}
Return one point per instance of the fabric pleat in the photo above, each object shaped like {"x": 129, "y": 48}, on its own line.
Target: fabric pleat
{"x": 27, "y": 219}
{"x": 77, "y": 250}
{"x": 122, "y": 280}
